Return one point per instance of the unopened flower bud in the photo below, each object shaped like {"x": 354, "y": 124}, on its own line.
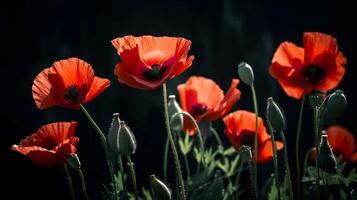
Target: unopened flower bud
{"x": 245, "y": 153}
{"x": 176, "y": 123}
{"x": 316, "y": 98}
{"x": 337, "y": 103}
{"x": 326, "y": 159}
{"x": 275, "y": 115}
{"x": 74, "y": 161}
{"x": 246, "y": 73}
{"x": 121, "y": 139}
{"x": 160, "y": 190}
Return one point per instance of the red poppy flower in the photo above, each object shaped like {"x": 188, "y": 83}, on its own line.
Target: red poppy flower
{"x": 67, "y": 83}
{"x": 240, "y": 130}
{"x": 51, "y": 145}
{"x": 316, "y": 66}
{"x": 148, "y": 61}
{"x": 342, "y": 143}
{"x": 204, "y": 99}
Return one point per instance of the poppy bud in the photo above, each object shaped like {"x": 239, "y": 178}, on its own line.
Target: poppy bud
{"x": 121, "y": 139}
{"x": 316, "y": 98}
{"x": 74, "y": 161}
{"x": 245, "y": 153}
{"x": 246, "y": 73}
{"x": 160, "y": 190}
{"x": 326, "y": 159}
{"x": 275, "y": 115}
{"x": 173, "y": 108}
{"x": 337, "y": 103}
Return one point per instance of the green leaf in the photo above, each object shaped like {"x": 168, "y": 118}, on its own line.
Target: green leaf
{"x": 210, "y": 190}
{"x": 185, "y": 144}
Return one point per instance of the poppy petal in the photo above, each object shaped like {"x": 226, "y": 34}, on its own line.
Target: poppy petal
{"x": 124, "y": 77}
{"x": 317, "y": 43}
{"x": 40, "y": 156}
{"x": 341, "y": 141}
{"x": 334, "y": 77}
{"x": 265, "y": 152}
{"x": 41, "y": 90}
{"x": 65, "y": 149}
{"x": 50, "y": 135}
{"x": 292, "y": 90}
{"x": 182, "y": 65}
{"x": 97, "y": 87}
{"x": 287, "y": 59}
{"x": 231, "y": 97}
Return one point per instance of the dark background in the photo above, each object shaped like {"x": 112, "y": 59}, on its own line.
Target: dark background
{"x": 34, "y": 34}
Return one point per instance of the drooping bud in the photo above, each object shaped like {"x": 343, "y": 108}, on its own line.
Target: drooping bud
{"x": 245, "y": 153}
{"x": 326, "y": 159}
{"x": 316, "y": 98}
{"x": 246, "y": 73}
{"x": 337, "y": 103}
{"x": 120, "y": 138}
{"x": 176, "y": 123}
{"x": 74, "y": 161}
{"x": 160, "y": 190}
{"x": 275, "y": 115}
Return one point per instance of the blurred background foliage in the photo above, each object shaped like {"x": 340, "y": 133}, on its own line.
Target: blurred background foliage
{"x": 35, "y": 33}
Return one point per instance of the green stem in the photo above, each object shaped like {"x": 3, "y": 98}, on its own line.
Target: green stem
{"x": 218, "y": 139}
{"x": 120, "y": 164}
{"x": 306, "y": 159}
{"x": 200, "y": 137}
{"x": 166, "y": 154}
{"x": 297, "y": 145}
{"x": 188, "y": 172}
{"x": 255, "y": 140}
{"x": 173, "y": 146}
{"x": 275, "y": 160}
{"x": 287, "y": 168}
{"x": 132, "y": 175}
{"x": 238, "y": 178}
{"x": 316, "y": 128}
{"x": 69, "y": 182}
{"x": 83, "y": 184}
{"x": 104, "y": 144}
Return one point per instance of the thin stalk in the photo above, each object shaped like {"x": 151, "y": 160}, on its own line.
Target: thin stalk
{"x": 120, "y": 164}
{"x": 69, "y": 182}
{"x": 188, "y": 172}
{"x": 306, "y": 159}
{"x": 275, "y": 160}
{"x": 287, "y": 168}
{"x": 316, "y": 128}
{"x": 200, "y": 137}
{"x": 297, "y": 145}
{"x": 83, "y": 184}
{"x": 173, "y": 146}
{"x": 103, "y": 142}
{"x": 255, "y": 141}
{"x": 132, "y": 175}
{"x": 166, "y": 154}
{"x": 238, "y": 178}
{"x": 218, "y": 139}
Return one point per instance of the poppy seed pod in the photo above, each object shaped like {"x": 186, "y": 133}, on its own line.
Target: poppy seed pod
{"x": 245, "y": 153}
{"x": 160, "y": 190}
{"x": 121, "y": 139}
{"x": 74, "y": 161}
{"x": 326, "y": 159}
{"x": 337, "y": 103}
{"x": 275, "y": 115}
{"x": 246, "y": 73}
{"x": 173, "y": 108}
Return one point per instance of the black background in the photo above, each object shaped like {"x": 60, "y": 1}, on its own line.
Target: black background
{"x": 34, "y": 34}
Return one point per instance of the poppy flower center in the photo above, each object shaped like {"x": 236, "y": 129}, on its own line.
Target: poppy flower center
{"x": 71, "y": 93}
{"x": 314, "y": 73}
{"x": 198, "y": 109}
{"x": 155, "y": 73}
{"x": 247, "y": 138}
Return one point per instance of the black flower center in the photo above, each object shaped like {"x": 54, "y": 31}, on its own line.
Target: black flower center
{"x": 314, "y": 73}
{"x": 247, "y": 139}
{"x": 71, "y": 93}
{"x": 198, "y": 109}
{"x": 155, "y": 74}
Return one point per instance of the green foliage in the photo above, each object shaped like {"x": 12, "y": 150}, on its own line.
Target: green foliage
{"x": 185, "y": 144}
{"x": 272, "y": 191}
